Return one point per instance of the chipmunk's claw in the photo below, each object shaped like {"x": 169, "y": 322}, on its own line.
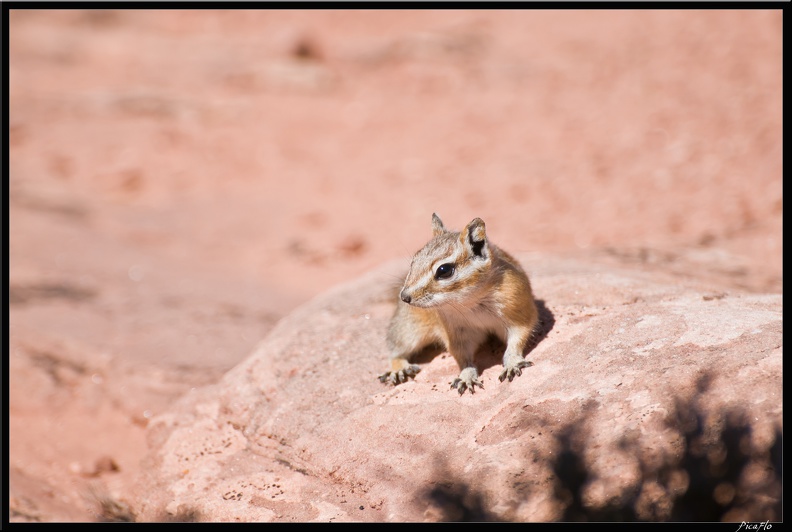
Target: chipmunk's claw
{"x": 514, "y": 371}
{"x": 467, "y": 380}
{"x": 461, "y": 386}
{"x": 403, "y": 375}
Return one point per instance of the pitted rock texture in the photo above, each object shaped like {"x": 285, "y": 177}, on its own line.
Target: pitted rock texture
{"x": 637, "y": 378}
{"x": 179, "y": 181}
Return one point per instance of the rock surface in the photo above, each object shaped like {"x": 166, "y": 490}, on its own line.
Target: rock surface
{"x": 638, "y": 380}
{"x": 179, "y": 181}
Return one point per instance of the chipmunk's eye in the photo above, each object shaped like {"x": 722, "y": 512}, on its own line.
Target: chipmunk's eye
{"x": 444, "y": 271}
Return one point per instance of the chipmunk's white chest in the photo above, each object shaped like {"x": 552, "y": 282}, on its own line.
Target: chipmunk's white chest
{"x": 473, "y": 322}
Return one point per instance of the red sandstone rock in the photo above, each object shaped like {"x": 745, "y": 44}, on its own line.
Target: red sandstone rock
{"x": 180, "y": 180}
{"x": 302, "y": 429}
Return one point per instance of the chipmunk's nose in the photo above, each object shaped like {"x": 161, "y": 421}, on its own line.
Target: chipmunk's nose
{"x": 405, "y": 297}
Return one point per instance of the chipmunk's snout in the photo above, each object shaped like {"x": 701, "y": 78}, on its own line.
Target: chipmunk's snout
{"x": 405, "y": 296}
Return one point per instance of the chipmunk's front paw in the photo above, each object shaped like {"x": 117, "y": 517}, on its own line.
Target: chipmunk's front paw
{"x": 400, "y": 376}
{"x": 467, "y": 380}
{"x": 514, "y": 370}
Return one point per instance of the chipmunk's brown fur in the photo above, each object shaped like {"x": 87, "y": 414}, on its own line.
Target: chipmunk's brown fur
{"x": 459, "y": 290}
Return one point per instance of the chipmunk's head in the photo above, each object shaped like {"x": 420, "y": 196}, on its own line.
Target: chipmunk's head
{"x": 449, "y": 268}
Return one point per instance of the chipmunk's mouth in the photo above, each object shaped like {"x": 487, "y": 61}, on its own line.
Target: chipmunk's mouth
{"x": 424, "y": 304}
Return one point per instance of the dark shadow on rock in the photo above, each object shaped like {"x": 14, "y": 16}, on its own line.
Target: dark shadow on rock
{"x": 573, "y": 475}
{"x": 717, "y": 475}
{"x": 717, "y": 466}
{"x": 716, "y": 455}
{"x": 427, "y": 354}
{"x": 459, "y": 502}
{"x": 453, "y": 499}
{"x": 543, "y": 328}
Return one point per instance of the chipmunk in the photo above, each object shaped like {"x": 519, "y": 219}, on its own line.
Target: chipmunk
{"x": 460, "y": 289}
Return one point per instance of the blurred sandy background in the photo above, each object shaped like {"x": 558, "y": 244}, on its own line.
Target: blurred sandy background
{"x": 179, "y": 180}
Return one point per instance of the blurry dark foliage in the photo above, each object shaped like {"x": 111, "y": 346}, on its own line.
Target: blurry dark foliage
{"x": 727, "y": 478}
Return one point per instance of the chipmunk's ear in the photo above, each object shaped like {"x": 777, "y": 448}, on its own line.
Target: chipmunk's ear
{"x": 437, "y": 225}
{"x": 474, "y": 237}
